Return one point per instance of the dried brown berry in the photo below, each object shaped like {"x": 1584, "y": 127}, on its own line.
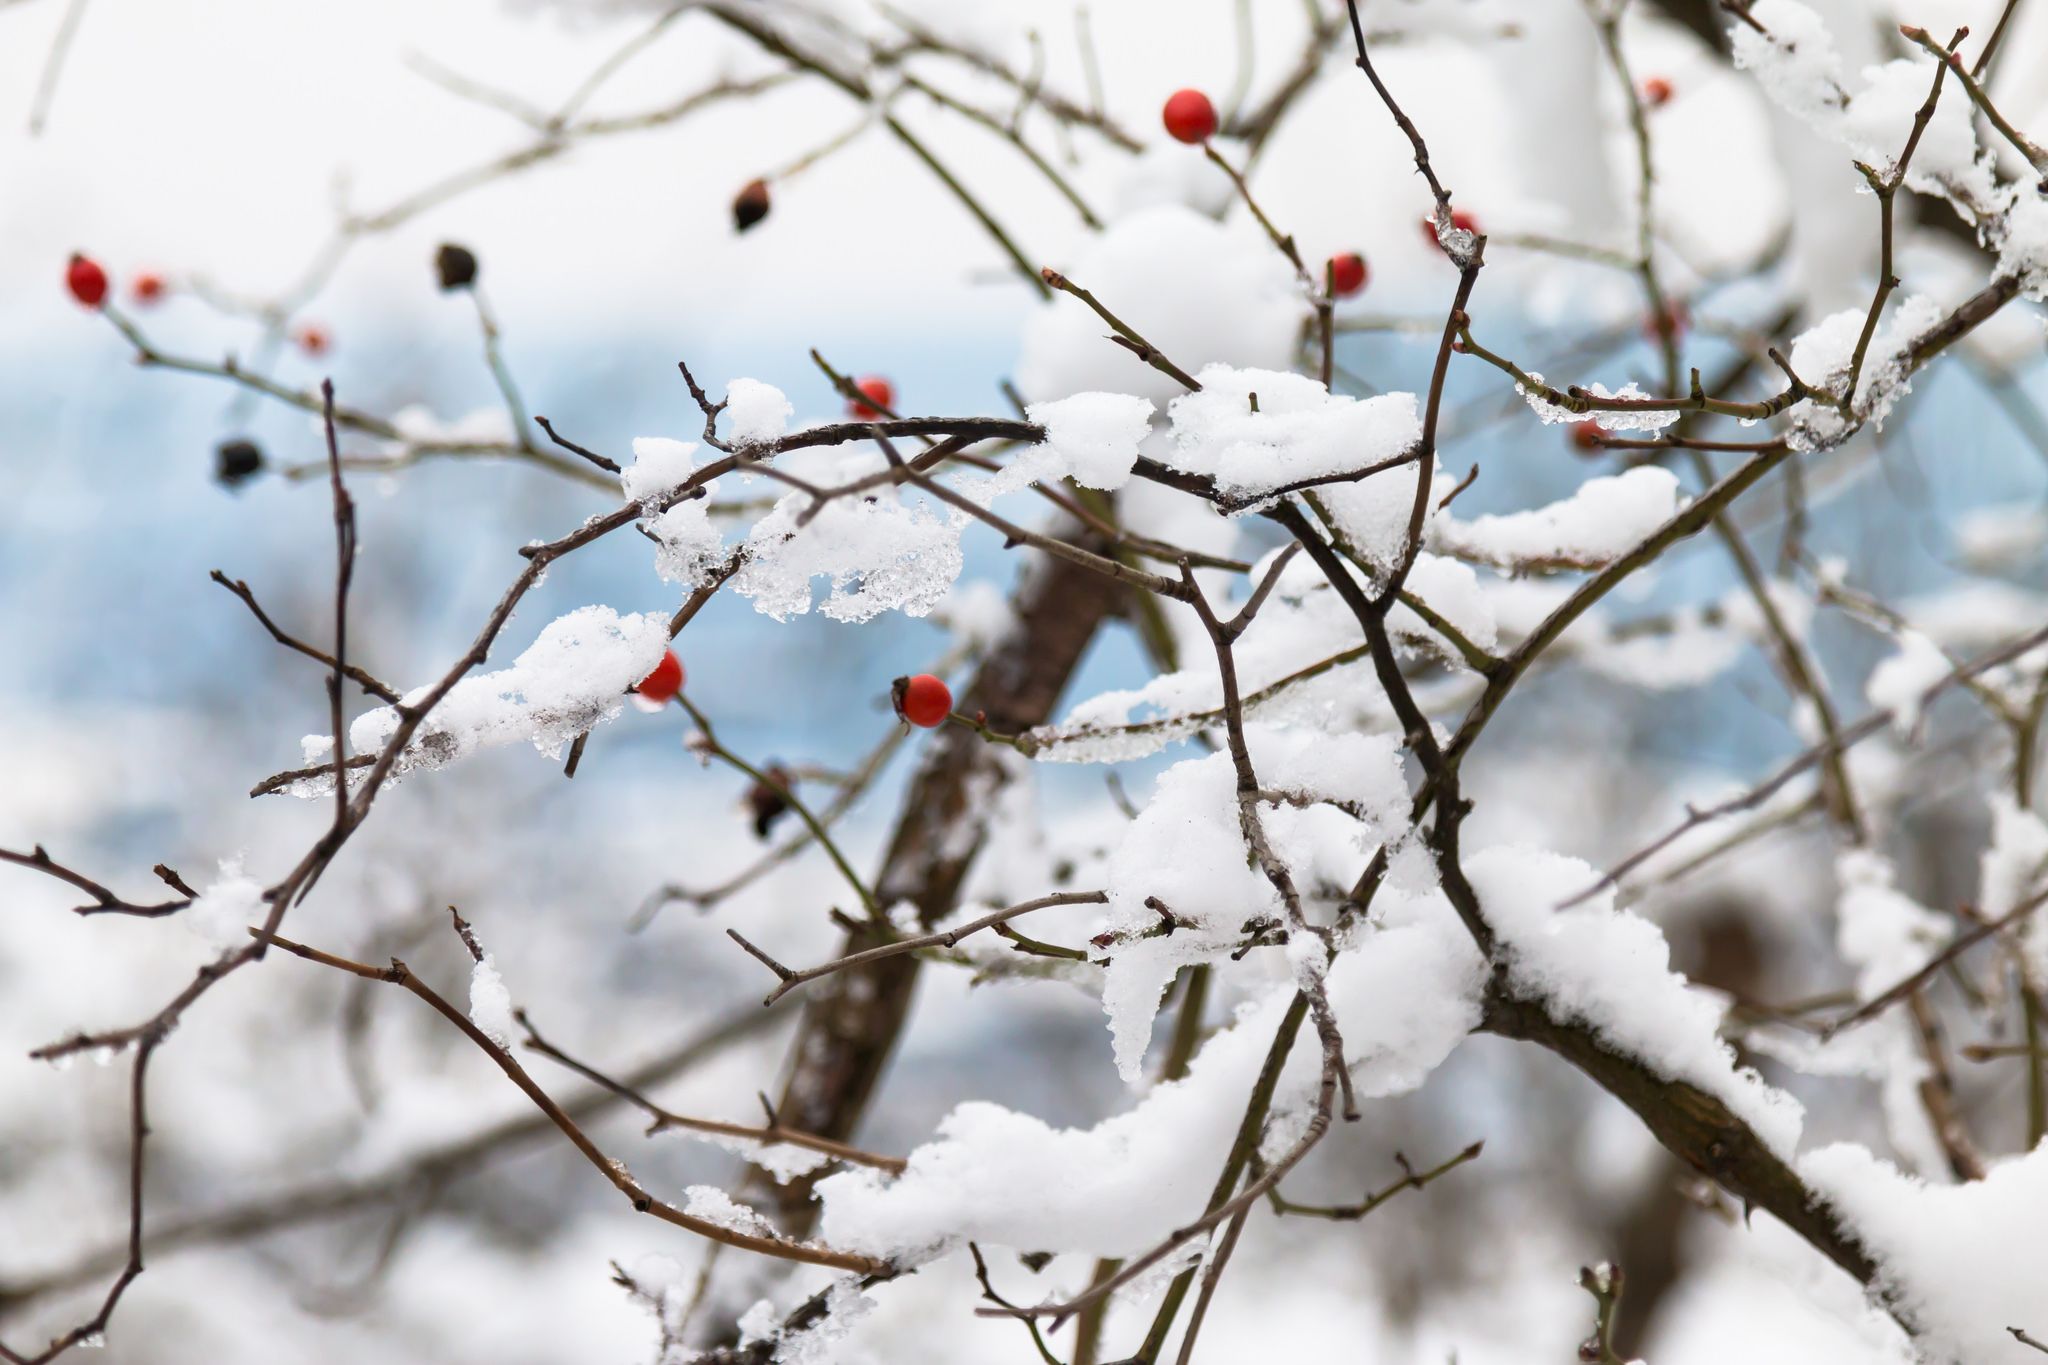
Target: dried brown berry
{"x": 455, "y": 266}
{"x": 750, "y": 205}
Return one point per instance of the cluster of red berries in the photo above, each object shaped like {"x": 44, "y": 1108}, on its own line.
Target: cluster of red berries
{"x": 86, "y": 279}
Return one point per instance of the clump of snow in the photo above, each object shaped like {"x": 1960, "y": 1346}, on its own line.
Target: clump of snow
{"x": 573, "y": 677}
{"x": 880, "y": 554}
{"x": 1302, "y": 662}
{"x": 1095, "y": 435}
{"x": 1604, "y": 519}
{"x": 715, "y": 1206}
{"x": 2023, "y": 244}
{"x": 1885, "y": 934}
{"x": 2015, "y": 860}
{"x": 1373, "y": 514}
{"x": 688, "y": 544}
{"x": 1193, "y": 288}
{"x": 1453, "y": 592}
{"x": 2012, "y": 869}
{"x": 1625, "y": 419}
{"x": 1253, "y": 431}
{"x": 783, "y": 1161}
{"x": 1186, "y": 851}
{"x": 1821, "y": 354}
{"x": 758, "y": 413}
{"x": 660, "y": 465}
{"x": 1793, "y": 55}
{"x": 226, "y": 907}
{"x": 1964, "y": 1262}
{"x": 1405, "y": 995}
{"x": 1610, "y": 970}
{"x": 490, "y": 1004}
{"x": 1900, "y": 683}
{"x": 820, "y": 1341}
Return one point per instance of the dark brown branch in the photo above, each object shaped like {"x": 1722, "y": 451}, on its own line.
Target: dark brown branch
{"x": 355, "y": 674}
{"x": 398, "y": 974}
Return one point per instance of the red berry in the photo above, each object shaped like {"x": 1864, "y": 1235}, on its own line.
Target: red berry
{"x": 313, "y": 339}
{"x": 923, "y": 700}
{"x": 148, "y": 287}
{"x": 1657, "y": 92}
{"x": 1348, "y": 274}
{"x": 880, "y": 392}
{"x": 86, "y": 281}
{"x": 1587, "y": 435}
{"x": 661, "y": 686}
{"x": 1189, "y": 117}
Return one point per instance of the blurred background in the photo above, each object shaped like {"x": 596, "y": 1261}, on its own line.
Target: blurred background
{"x": 333, "y": 1171}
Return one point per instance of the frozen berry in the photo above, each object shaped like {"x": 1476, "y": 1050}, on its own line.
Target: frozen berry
{"x": 880, "y": 393}
{"x": 455, "y": 266}
{"x": 1657, "y": 92}
{"x": 1588, "y": 435}
{"x": 1348, "y": 274}
{"x": 1189, "y": 117}
{"x": 659, "y": 688}
{"x": 750, "y": 205}
{"x": 236, "y": 462}
{"x": 1460, "y": 221}
{"x": 86, "y": 281}
{"x": 923, "y": 700}
{"x": 313, "y": 339}
{"x": 147, "y": 288}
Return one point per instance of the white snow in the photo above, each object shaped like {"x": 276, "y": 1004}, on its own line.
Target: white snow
{"x": 226, "y": 907}
{"x": 714, "y": 1205}
{"x": 880, "y": 554}
{"x": 1256, "y": 430}
{"x": 757, "y": 413}
{"x": 1604, "y": 519}
{"x": 1796, "y": 60}
{"x": 688, "y": 544}
{"x": 1405, "y": 995}
{"x": 1885, "y": 934}
{"x": 490, "y": 1004}
{"x": 1611, "y": 970}
{"x": 1901, "y": 681}
{"x": 1095, "y": 435}
{"x": 572, "y": 677}
{"x": 1965, "y": 1261}
{"x": 1608, "y": 419}
{"x": 1187, "y": 850}
{"x": 660, "y": 464}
